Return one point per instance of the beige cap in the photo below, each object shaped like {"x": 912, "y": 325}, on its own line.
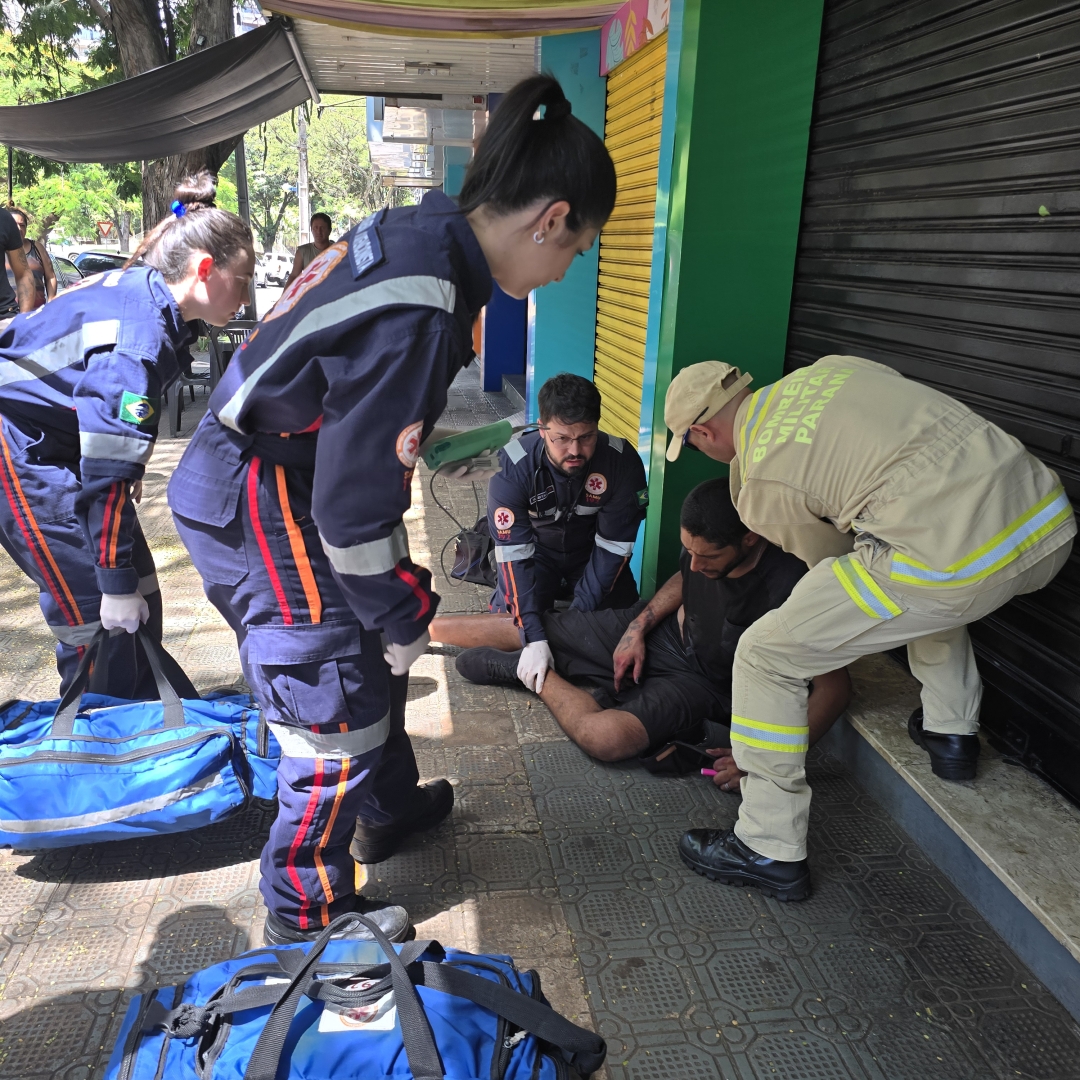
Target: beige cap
{"x": 696, "y": 395}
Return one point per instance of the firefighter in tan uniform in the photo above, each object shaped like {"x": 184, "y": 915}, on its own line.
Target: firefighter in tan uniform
{"x": 916, "y": 516}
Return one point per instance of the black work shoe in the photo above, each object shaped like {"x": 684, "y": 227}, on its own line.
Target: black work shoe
{"x": 723, "y": 857}
{"x": 393, "y": 921}
{"x": 952, "y": 757}
{"x": 489, "y": 667}
{"x": 376, "y": 843}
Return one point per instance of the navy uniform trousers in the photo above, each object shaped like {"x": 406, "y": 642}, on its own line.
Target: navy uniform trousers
{"x": 39, "y": 529}
{"x": 322, "y": 682}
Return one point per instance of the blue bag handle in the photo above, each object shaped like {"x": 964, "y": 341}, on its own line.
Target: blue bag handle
{"x": 172, "y": 684}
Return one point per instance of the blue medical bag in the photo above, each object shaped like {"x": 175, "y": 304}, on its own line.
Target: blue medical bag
{"x": 89, "y": 768}
{"x": 347, "y": 1009}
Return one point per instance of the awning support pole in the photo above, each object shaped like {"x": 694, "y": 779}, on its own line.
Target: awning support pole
{"x": 10, "y": 179}
{"x": 243, "y": 204}
{"x": 301, "y": 63}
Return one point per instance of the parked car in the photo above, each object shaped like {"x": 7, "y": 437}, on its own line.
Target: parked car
{"x": 278, "y": 267}
{"x": 67, "y": 273}
{"x": 96, "y": 262}
{"x": 260, "y": 273}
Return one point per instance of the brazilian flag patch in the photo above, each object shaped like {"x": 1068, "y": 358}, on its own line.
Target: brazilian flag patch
{"x": 642, "y": 497}
{"x": 137, "y": 409}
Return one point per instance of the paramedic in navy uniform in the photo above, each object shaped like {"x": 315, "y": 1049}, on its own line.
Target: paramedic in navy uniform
{"x": 80, "y": 396}
{"x": 564, "y": 512}
{"x": 291, "y": 494}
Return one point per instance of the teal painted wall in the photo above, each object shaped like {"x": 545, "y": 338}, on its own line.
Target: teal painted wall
{"x": 456, "y": 161}
{"x": 562, "y": 315}
{"x": 745, "y": 95}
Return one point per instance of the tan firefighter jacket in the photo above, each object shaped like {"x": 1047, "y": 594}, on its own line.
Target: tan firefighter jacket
{"x": 849, "y": 446}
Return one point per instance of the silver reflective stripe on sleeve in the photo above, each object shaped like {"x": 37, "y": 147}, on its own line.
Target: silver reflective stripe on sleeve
{"x": 61, "y": 353}
{"x": 616, "y": 443}
{"x": 616, "y": 547}
{"x": 415, "y": 290}
{"x": 96, "y": 444}
{"x": 76, "y": 635}
{"x": 298, "y": 742}
{"x": 115, "y": 813}
{"x": 374, "y": 557}
{"x": 148, "y": 585}
{"x": 586, "y": 511}
{"x": 514, "y": 450}
{"x": 514, "y": 552}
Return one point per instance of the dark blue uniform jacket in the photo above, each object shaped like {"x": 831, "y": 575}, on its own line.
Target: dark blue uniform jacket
{"x": 584, "y": 526}
{"x": 345, "y": 377}
{"x": 83, "y": 375}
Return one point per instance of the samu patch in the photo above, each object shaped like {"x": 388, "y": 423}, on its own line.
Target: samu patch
{"x": 137, "y": 409}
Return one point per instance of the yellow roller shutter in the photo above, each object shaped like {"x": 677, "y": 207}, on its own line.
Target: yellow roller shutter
{"x": 635, "y": 99}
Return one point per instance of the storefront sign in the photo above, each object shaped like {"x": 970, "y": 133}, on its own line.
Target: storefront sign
{"x": 632, "y": 26}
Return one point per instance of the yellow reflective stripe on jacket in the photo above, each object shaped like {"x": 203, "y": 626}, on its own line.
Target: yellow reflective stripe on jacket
{"x": 786, "y": 740}
{"x": 864, "y": 590}
{"x": 759, "y": 406}
{"x": 1009, "y": 544}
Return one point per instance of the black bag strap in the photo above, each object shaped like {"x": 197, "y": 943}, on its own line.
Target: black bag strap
{"x": 172, "y": 683}
{"x": 583, "y": 1049}
{"x": 420, "y": 1049}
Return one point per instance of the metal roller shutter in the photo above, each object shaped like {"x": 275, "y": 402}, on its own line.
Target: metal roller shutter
{"x": 939, "y": 237}
{"x": 635, "y": 100}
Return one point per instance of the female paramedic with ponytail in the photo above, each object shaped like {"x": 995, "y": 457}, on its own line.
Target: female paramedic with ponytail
{"x": 80, "y": 387}
{"x": 291, "y": 494}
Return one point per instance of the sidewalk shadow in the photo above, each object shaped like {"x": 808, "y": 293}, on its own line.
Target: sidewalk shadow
{"x": 71, "y": 1036}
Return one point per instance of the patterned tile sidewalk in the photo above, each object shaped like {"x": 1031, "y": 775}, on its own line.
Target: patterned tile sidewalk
{"x": 567, "y": 864}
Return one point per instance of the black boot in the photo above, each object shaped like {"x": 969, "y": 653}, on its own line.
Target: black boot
{"x": 393, "y": 921}
{"x": 489, "y": 667}
{"x": 952, "y": 757}
{"x": 376, "y": 843}
{"x": 723, "y": 857}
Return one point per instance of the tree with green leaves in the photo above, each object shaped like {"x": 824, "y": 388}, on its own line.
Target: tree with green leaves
{"x": 130, "y": 37}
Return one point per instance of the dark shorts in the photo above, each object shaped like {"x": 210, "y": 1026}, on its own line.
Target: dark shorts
{"x": 672, "y": 699}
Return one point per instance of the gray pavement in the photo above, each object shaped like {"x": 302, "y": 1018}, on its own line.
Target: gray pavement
{"x": 569, "y": 865}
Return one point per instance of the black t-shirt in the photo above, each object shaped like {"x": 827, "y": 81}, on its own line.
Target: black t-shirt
{"x": 10, "y": 239}
{"x": 717, "y": 612}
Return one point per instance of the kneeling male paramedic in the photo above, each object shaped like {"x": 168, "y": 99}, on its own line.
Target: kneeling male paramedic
{"x": 564, "y": 513}
{"x": 951, "y": 518}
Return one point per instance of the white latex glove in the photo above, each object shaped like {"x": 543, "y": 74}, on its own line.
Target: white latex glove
{"x": 533, "y": 665}
{"x": 402, "y": 657}
{"x": 123, "y": 611}
{"x": 483, "y": 467}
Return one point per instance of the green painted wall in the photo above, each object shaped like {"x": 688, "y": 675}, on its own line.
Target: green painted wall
{"x": 746, "y": 90}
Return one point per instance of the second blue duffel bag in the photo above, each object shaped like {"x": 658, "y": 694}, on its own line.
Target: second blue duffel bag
{"x": 88, "y": 769}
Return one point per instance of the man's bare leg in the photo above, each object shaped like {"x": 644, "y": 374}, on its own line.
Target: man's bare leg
{"x": 829, "y": 697}
{"x": 607, "y": 734}
{"x": 469, "y": 631}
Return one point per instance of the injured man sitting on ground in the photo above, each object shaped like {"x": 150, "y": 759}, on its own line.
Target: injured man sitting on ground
{"x": 629, "y": 681}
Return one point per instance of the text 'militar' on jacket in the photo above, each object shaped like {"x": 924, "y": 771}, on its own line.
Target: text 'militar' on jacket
{"x": 848, "y": 445}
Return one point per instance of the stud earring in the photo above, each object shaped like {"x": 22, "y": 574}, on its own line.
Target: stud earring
{"x": 538, "y": 237}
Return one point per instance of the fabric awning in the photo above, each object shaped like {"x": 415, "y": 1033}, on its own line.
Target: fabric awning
{"x": 449, "y": 18}
{"x": 206, "y": 98}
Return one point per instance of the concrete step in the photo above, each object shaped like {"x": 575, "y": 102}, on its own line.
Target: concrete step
{"x": 1007, "y": 840}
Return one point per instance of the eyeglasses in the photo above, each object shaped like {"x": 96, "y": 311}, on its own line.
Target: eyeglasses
{"x": 560, "y": 442}
{"x": 686, "y": 434}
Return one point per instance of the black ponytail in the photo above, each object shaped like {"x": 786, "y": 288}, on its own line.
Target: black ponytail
{"x": 521, "y": 160}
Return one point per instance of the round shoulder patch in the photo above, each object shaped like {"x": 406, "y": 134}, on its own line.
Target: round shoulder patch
{"x": 315, "y": 274}
{"x": 504, "y": 518}
{"x": 408, "y": 444}
{"x": 596, "y": 484}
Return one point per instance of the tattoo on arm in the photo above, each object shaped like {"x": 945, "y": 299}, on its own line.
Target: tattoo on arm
{"x": 25, "y": 290}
